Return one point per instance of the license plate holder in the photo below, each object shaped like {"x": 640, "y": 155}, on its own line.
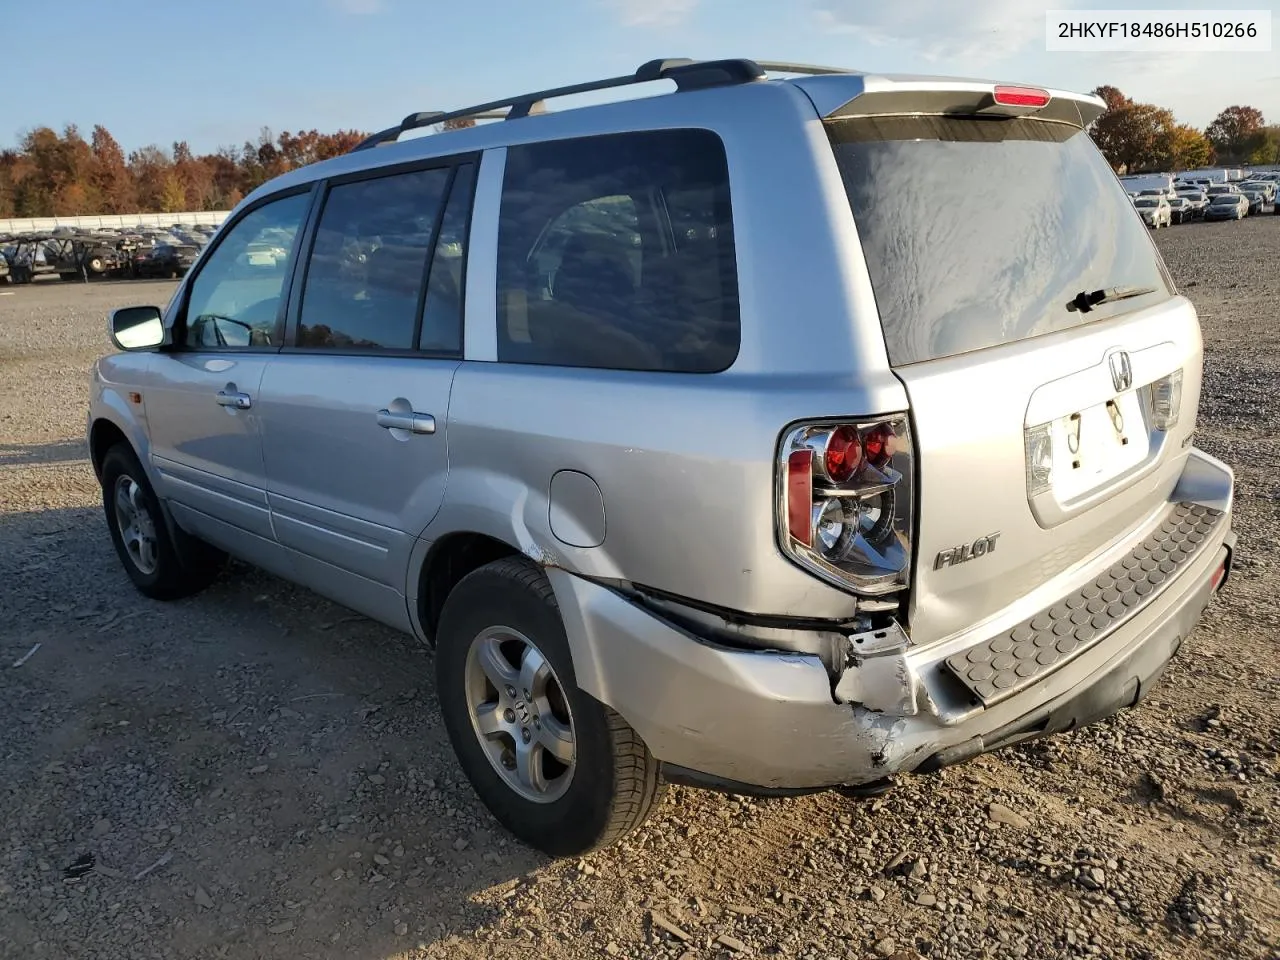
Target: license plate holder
{"x": 1097, "y": 444}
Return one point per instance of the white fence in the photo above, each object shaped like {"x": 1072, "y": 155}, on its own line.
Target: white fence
{"x": 23, "y": 225}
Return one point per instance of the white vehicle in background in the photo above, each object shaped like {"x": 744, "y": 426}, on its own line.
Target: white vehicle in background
{"x": 1137, "y": 183}
{"x": 1214, "y": 174}
{"x": 1155, "y": 211}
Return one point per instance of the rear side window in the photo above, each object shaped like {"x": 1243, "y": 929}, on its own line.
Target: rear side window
{"x": 369, "y": 261}
{"x": 978, "y": 232}
{"x": 617, "y": 252}
{"x": 442, "y": 308}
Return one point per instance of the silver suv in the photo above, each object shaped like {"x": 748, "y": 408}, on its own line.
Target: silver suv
{"x": 770, "y": 435}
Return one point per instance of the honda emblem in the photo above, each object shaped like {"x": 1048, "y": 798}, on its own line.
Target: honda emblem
{"x": 1121, "y": 372}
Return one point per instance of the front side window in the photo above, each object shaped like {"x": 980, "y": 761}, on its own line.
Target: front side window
{"x": 617, "y": 252}
{"x": 369, "y": 261}
{"x": 235, "y": 300}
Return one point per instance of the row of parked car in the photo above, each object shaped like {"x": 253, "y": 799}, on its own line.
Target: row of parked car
{"x": 130, "y": 252}
{"x": 1184, "y": 201}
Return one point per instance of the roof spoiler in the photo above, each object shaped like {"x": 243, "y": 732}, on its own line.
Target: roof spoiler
{"x": 852, "y": 95}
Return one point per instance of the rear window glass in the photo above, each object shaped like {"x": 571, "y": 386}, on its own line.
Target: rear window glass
{"x": 978, "y": 232}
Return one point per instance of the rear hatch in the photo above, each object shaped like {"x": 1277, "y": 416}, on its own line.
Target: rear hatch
{"x": 1039, "y": 338}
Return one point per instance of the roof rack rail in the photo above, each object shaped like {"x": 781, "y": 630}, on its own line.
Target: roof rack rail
{"x": 806, "y": 69}
{"x": 687, "y": 74}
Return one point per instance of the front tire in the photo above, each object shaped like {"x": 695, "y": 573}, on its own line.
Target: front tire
{"x": 162, "y": 566}
{"x": 556, "y": 767}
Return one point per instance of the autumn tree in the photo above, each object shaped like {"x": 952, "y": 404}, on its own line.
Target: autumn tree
{"x": 10, "y": 166}
{"x": 225, "y": 178}
{"x": 1105, "y": 130}
{"x": 110, "y": 175}
{"x": 336, "y": 144}
{"x": 1186, "y": 148}
{"x": 193, "y": 177}
{"x": 62, "y": 174}
{"x": 1112, "y": 96}
{"x": 56, "y": 178}
{"x": 1134, "y": 136}
{"x": 151, "y": 168}
{"x": 1235, "y": 132}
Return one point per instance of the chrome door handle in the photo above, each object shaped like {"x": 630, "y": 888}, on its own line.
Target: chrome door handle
{"x": 412, "y": 422}
{"x": 241, "y": 401}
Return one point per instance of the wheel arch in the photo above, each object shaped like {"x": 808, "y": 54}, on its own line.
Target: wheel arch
{"x": 106, "y": 430}
{"x": 439, "y": 565}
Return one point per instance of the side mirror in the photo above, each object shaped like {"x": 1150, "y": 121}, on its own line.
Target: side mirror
{"x": 137, "y": 328}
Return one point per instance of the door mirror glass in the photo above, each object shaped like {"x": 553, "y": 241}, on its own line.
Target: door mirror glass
{"x": 137, "y": 328}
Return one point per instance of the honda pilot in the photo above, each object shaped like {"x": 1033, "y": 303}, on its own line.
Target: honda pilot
{"x": 795, "y": 429}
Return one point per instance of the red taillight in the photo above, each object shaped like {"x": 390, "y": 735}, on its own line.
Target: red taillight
{"x": 845, "y": 522}
{"x": 843, "y": 455}
{"x": 880, "y": 445}
{"x": 800, "y": 496}
{"x": 1007, "y": 96}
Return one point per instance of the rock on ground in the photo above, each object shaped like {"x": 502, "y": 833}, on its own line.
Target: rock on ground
{"x": 289, "y": 758}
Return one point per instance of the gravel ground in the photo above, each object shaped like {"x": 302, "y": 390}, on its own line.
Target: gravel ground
{"x": 258, "y": 773}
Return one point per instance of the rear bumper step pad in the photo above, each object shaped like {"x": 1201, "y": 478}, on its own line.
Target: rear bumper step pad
{"x": 1016, "y": 659}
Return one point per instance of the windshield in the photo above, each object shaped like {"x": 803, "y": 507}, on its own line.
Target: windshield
{"x": 977, "y": 231}
{"x": 1225, "y": 198}
{"x": 1148, "y": 202}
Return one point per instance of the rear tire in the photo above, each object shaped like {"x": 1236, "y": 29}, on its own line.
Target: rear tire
{"x": 162, "y": 565}
{"x": 500, "y": 627}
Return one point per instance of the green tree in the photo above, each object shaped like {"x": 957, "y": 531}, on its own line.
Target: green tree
{"x": 173, "y": 198}
{"x": 1267, "y": 148}
{"x": 1235, "y": 132}
{"x": 1186, "y": 148}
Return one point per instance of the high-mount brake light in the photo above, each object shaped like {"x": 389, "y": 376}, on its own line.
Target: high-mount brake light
{"x": 1008, "y": 96}
{"x": 846, "y": 497}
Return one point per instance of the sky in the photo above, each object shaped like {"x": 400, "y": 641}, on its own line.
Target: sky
{"x": 214, "y": 72}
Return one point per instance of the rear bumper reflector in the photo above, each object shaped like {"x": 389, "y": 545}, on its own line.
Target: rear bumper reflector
{"x": 1018, "y": 658}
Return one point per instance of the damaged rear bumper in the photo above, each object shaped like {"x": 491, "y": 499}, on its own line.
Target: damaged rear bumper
{"x": 772, "y": 720}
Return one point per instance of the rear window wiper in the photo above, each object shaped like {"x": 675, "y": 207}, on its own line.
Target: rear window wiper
{"x": 1084, "y": 301}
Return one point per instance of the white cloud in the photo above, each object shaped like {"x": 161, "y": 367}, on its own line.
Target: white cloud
{"x": 1007, "y": 37}
{"x": 357, "y": 7}
{"x": 973, "y": 30}
{"x": 653, "y": 13}
{"x": 1193, "y": 85}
